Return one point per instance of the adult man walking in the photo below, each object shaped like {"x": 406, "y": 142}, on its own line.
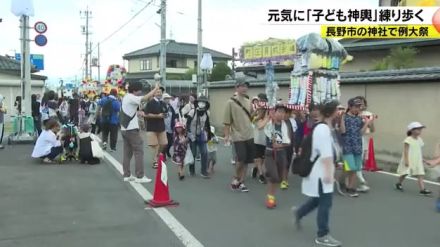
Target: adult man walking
{"x": 133, "y": 144}
{"x": 238, "y": 129}
{"x": 154, "y": 118}
{"x": 110, "y": 107}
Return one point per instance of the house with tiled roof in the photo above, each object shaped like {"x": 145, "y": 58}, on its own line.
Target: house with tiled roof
{"x": 144, "y": 63}
{"x": 10, "y": 81}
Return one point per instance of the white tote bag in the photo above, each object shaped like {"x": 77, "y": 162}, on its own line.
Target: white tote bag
{"x": 96, "y": 149}
{"x": 189, "y": 157}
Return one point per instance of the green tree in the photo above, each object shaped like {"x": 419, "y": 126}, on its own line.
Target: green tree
{"x": 188, "y": 74}
{"x": 219, "y": 72}
{"x": 402, "y": 57}
{"x": 381, "y": 64}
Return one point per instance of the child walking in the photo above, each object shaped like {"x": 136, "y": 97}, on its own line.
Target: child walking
{"x": 275, "y": 162}
{"x": 180, "y": 145}
{"x": 412, "y": 158}
{"x": 212, "y": 151}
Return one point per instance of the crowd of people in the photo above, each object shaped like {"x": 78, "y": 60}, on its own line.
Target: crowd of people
{"x": 333, "y": 138}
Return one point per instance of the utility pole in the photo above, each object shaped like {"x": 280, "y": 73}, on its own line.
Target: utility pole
{"x": 199, "y": 47}
{"x": 90, "y": 60}
{"x": 99, "y": 64}
{"x": 25, "y": 67}
{"x": 163, "y": 40}
{"x": 85, "y": 31}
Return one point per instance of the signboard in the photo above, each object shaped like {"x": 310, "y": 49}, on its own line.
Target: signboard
{"x": 271, "y": 49}
{"x": 40, "y": 40}
{"x": 36, "y": 59}
{"x": 40, "y": 27}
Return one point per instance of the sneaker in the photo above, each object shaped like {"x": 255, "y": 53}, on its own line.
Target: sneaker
{"x": 363, "y": 188}
{"x": 235, "y": 185}
{"x": 254, "y": 172}
{"x": 143, "y": 180}
{"x": 198, "y": 158}
{"x": 271, "y": 202}
{"x": 113, "y": 150}
{"x": 204, "y": 176}
{"x": 327, "y": 240}
{"x": 129, "y": 179}
{"x": 399, "y": 187}
{"x": 352, "y": 193}
{"x": 233, "y": 162}
{"x": 284, "y": 185}
{"x": 262, "y": 179}
{"x": 425, "y": 192}
{"x": 296, "y": 220}
{"x": 104, "y": 146}
{"x": 243, "y": 188}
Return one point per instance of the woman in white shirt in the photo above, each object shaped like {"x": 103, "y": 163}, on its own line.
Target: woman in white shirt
{"x": 318, "y": 186}
{"x": 48, "y": 145}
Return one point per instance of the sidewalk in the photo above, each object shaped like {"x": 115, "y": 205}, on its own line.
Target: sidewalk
{"x": 71, "y": 205}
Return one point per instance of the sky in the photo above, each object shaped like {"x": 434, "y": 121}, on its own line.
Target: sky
{"x": 226, "y": 24}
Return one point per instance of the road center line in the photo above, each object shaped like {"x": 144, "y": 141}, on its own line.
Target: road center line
{"x": 175, "y": 226}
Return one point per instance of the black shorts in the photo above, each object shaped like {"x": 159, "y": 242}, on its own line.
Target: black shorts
{"x": 245, "y": 151}
{"x": 259, "y": 151}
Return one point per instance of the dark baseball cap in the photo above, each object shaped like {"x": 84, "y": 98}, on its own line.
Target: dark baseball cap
{"x": 262, "y": 97}
{"x": 354, "y": 102}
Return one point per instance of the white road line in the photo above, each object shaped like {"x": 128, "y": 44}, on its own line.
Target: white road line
{"x": 410, "y": 178}
{"x": 175, "y": 226}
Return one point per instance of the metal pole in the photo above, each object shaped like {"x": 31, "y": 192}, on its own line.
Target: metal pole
{"x": 87, "y": 44}
{"x": 199, "y": 47}
{"x": 26, "y": 68}
{"x": 99, "y": 65}
{"x": 90, "y": 60}
{"x": 163, "y": 37}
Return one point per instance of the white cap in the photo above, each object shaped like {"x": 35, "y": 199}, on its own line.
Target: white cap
{"x": 166, "y": 96}
{"x": 415, "y": 125}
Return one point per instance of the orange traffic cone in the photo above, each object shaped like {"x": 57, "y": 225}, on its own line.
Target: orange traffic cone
{"x": 161, "y": 196}
{"x": 370, "y": 163}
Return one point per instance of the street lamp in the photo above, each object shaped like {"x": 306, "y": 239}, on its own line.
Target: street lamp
{"x": 206, "y": 65}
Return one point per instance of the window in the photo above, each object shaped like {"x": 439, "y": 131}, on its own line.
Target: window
{"x": 146, "y": 64}
{"x": 171, "y": 63}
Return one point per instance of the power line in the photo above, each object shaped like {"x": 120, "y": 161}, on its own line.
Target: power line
{"x": 137, "y": 28}
{"x": 125, "y": 24}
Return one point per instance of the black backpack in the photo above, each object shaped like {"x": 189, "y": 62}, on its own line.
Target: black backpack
{"x": 107, "y": 110}
{"x": 302, "y": 164}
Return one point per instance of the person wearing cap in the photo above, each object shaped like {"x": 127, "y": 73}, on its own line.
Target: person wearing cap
{"x": 238, "y": 129}
{"x": 275, "y": 162}
{"x": 412, "y": 158}
{"x": 170, "y": 121}
{"x": 109, "y": 115}
{"x": 352, "y": 128}
{"x": 155, "y": 113}
{"x": 199, "y": 133}
{"x": 2, "y": 120}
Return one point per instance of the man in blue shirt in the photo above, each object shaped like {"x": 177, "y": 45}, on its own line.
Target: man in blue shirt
{"x": 110, "y": 107}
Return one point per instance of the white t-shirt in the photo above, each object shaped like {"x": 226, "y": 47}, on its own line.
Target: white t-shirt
{"x": 45, "y": 142}
{"x": 130, "y": 105}
{"x": 322, "y": 143}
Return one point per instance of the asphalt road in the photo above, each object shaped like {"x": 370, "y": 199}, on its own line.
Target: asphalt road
{"x": 79, "y": 205}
